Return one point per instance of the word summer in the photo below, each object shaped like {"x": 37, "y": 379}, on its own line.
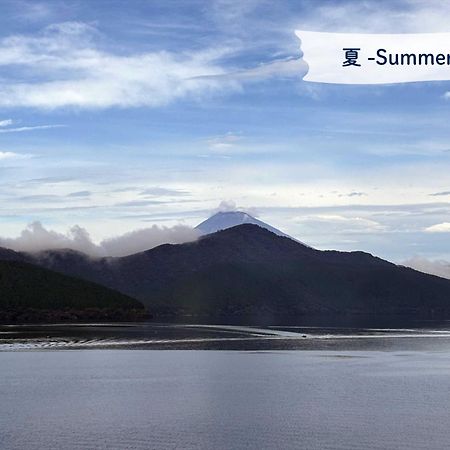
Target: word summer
{"x": 411, "y": 59}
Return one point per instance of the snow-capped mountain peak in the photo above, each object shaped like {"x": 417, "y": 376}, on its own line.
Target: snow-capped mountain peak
{"x": 228, "y": 219}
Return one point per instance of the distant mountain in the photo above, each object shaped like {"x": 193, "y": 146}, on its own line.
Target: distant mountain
{"x": 224, "y": 220}
{"x": 248, "y": 270}
{"x": 34, "y": 294}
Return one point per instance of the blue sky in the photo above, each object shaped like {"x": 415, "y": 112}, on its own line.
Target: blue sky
{"x": 116, "y": 116}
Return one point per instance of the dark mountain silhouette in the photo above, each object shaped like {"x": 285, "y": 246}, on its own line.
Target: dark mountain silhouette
{"x": 248, "y": 270}
{"x": 30, "y": 293}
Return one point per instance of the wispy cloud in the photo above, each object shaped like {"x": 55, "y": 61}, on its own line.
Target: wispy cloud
{"x": 157, "y": 191}
{"x": 33, "y": 11}
{"x": 79, "y": 194}
{"x": 74, "y": 70}
{"x": 377, "y": 17}
{"x": 32, "y": 128}
{"x": 224, "y": 142}
{"x": 138, "y": 203}
{"x": 51, "y": 180}
{"x": 339, "y": 224}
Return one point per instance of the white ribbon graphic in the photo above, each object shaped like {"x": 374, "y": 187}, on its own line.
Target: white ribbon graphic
{"x": 348, "y": 58}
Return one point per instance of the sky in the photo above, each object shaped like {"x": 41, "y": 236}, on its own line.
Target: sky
{"x": 144, "y": 115}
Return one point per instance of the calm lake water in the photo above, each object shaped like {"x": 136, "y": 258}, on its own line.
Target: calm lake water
{"x": 66, "y": 387}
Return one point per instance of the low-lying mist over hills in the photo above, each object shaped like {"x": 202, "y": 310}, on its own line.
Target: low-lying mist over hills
{"x": 35, "y": 237}
{"x": 249, "y": 270}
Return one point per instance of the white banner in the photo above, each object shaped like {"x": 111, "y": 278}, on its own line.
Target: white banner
{"x": 348, "y": 58}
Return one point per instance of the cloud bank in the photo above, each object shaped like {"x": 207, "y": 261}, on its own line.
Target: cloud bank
{"x": 36, "y": 238}
{"x": 143, "y": 239}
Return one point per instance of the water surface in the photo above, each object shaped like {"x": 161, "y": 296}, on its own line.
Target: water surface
{"x": 285, "y": 385}
{"x": 307, "y": 336}
{"x": 115, "y": 399}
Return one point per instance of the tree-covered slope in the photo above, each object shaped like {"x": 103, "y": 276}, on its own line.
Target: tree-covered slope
{"x": 26, "y": 289}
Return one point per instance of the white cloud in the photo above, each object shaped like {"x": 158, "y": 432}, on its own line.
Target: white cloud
{"x": 64, "y": 65}
{"x": 73, "y": 71}
{"x": 12, "y": 155}
{"x": 231, "y": 206}
{"x": 6, "y": 123}
{"x": 443, "y": 227}
{"x": 143, "y": 239}
{"x": 36, "y": 238}
{"x": 227, "y": 206}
